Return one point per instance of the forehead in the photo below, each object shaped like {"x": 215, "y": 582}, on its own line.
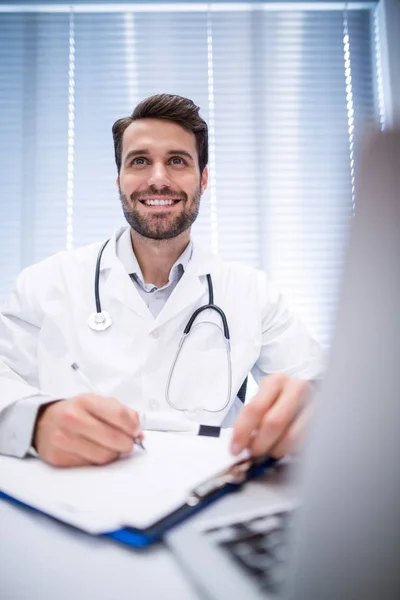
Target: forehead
{"x": 158, "y": 135}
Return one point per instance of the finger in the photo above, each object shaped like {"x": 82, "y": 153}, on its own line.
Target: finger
{"x": 85, "y": 449}
{"x": 113, "y": 412}
{"x": 251, "y": 415}
{"x": 294, "y": 437}
{"x": 279, "y": 417}
{"x": 78, "y": 422}
{"x": 59, "y": 458}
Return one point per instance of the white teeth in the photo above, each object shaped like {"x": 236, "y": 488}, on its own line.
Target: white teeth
{"x": 159, "y": 202}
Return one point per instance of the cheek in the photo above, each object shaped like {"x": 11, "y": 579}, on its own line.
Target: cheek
{"x": 130, "y": 183}
{"x": 190, "y": 183}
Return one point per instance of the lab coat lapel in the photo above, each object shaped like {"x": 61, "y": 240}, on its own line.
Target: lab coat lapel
{"x": 118, "y": 285}
{"x": 191, "y": 287}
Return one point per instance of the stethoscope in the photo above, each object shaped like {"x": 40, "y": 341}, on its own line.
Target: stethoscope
{"x": 101, "y": 320}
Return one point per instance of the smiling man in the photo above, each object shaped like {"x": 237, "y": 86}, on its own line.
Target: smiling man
{"x": 152, "y": 280}
{"x": 153, "y": 209}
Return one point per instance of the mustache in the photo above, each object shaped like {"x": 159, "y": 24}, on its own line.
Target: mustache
{"x": 137, "y": 196}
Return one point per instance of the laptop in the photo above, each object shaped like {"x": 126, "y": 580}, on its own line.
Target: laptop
{"x": 328, "y": 528}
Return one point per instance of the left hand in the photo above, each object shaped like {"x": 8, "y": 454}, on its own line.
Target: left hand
{"x": 275, "y": 420}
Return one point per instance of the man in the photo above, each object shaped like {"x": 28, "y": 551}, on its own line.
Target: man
{"x": 152, "y": 278}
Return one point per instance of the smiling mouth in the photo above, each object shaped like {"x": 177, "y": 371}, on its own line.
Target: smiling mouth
{"x": 161, "y": 202}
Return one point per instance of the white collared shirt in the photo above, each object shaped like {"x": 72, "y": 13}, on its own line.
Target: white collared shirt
{"x": 154, "y": 297}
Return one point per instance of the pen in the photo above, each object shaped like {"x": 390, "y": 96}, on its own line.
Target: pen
{"x": 92, "y": 388}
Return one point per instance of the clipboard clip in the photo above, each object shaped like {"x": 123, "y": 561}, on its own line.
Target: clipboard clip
{"x": 236, "y": 474}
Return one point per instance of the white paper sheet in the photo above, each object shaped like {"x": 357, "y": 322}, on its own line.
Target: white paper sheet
{"x": 136, "y": 491}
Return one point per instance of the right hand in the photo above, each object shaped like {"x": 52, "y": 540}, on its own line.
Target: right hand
{"x": 85, "y": 430}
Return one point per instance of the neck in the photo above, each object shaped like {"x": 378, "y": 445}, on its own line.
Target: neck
{"x": 156, "y": 257}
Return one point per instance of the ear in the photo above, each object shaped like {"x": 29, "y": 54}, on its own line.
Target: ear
{"x": 117, "y": 181}
{"x": 204, "y": 180}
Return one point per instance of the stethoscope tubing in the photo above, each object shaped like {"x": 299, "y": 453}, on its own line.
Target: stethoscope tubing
{"x": 101, "y": 320}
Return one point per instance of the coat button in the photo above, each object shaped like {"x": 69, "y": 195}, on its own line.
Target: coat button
{"x": 153, "y": 404}
{"x": 155, "y": 334}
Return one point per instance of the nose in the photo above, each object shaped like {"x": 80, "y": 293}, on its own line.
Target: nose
{"x": 159, "y": 176}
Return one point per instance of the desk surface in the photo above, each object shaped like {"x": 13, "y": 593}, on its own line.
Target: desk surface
{"x": 42, "y": 559}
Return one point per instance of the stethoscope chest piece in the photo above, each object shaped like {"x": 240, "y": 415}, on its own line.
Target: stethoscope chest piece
{"x": 99, "y": 321}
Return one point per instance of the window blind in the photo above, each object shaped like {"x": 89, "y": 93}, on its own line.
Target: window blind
{"x": 286, "y": 96}
{"x": 119, "y": 60}
{"x": 33, "y": 140}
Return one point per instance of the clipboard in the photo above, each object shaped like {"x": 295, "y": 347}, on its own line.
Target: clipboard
{"x": 210, "y": 490}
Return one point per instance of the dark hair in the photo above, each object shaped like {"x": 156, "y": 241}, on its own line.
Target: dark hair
{"x": 171, "y": 108}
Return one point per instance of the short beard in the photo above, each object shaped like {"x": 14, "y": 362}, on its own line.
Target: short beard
{"x": 159, "y": 226}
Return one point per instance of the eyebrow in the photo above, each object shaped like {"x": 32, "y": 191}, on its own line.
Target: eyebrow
{"x": 146, "y": 151}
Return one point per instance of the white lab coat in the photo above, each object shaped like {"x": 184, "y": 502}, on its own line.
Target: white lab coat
{"x": 44, "y": 329}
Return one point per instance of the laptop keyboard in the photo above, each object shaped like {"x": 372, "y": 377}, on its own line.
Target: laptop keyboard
{"x": 258, "y": 545}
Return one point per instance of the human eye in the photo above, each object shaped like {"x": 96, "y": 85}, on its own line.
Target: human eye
{"x": 177, "y": 160}
{"x": 138, "y": 161}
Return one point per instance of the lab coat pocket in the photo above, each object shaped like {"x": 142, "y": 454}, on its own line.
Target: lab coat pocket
{"x": 200, "y": 376}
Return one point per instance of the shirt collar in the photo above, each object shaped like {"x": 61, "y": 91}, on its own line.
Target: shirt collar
{"x": 127, "y": 256}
